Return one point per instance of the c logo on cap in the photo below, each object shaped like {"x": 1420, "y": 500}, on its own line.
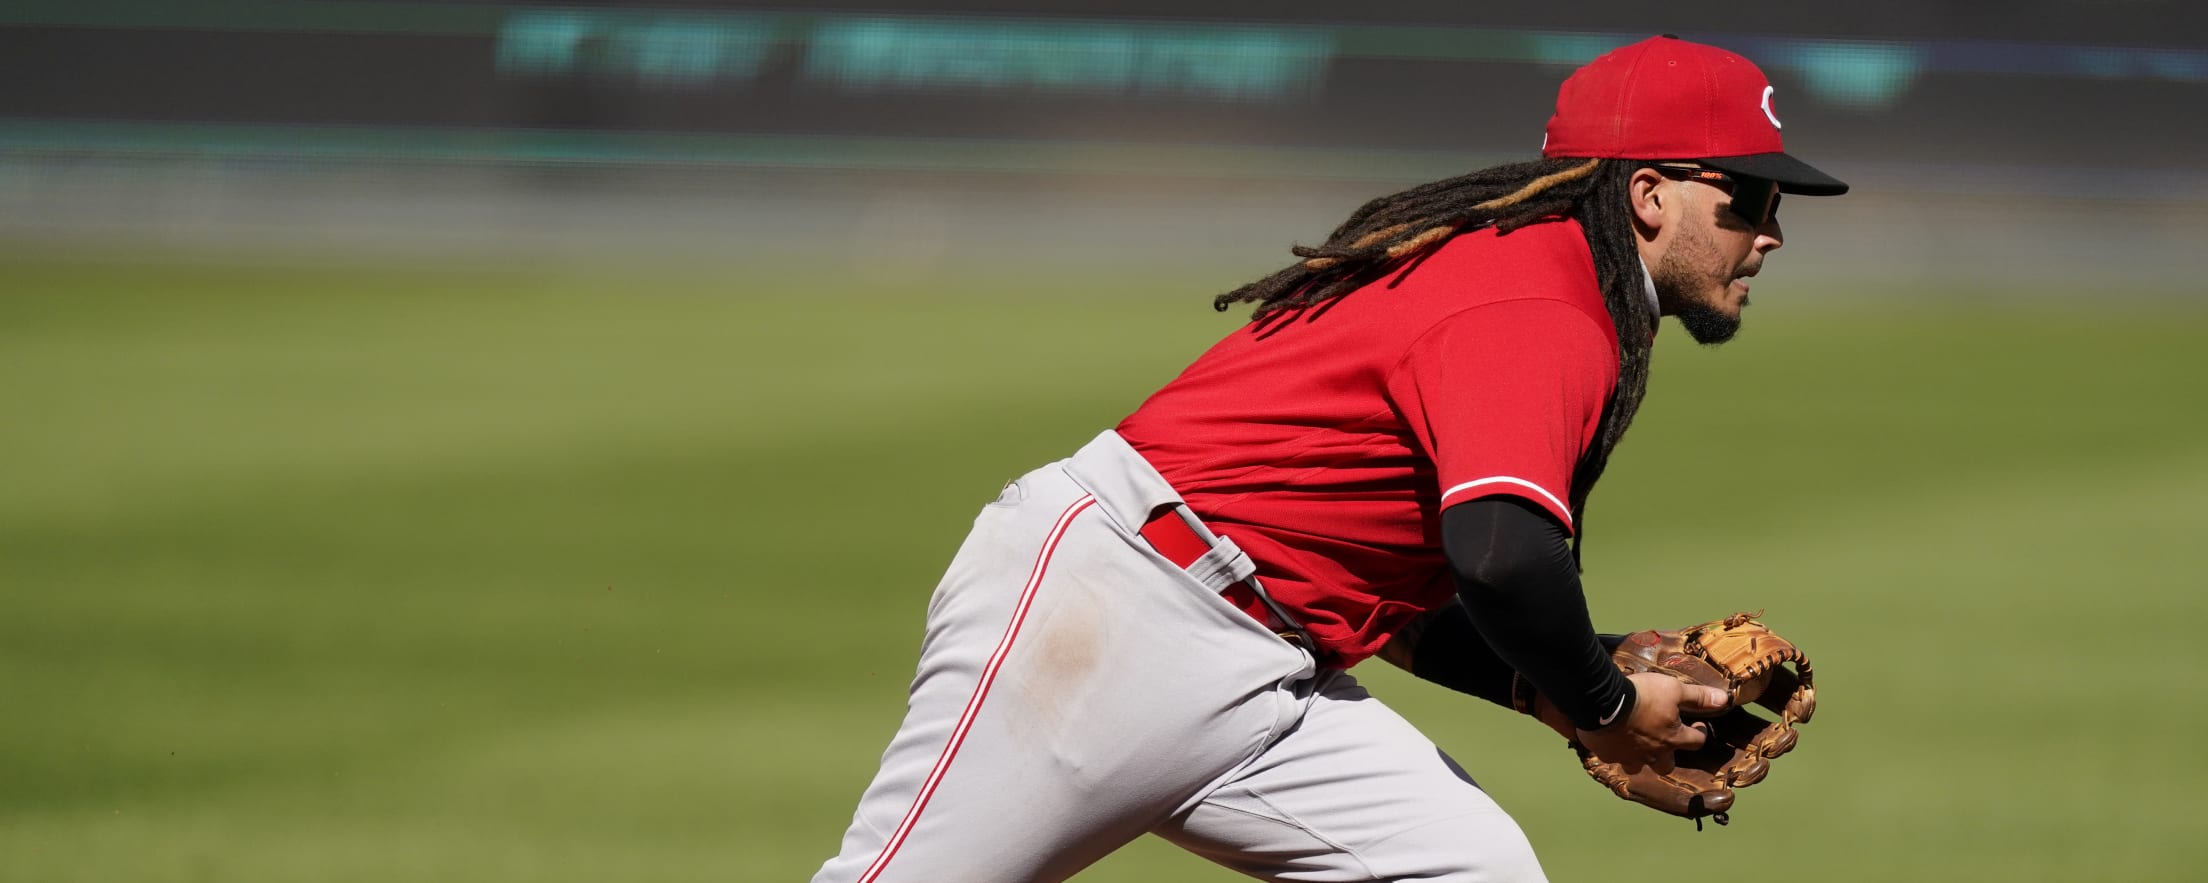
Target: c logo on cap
{"x": 1767, "y": 114}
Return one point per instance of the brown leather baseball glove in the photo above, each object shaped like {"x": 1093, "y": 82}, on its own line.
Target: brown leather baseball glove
{"x": 1747, "y": 660}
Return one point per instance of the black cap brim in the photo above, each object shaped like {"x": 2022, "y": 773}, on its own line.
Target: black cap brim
{"x": 1793, "y": 175}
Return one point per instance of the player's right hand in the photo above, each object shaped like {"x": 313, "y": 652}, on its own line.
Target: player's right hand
{"x": 1649, "y": 735}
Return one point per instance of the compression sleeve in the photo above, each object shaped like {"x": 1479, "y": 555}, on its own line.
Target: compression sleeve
{"x": 1452, "y": 654}
{"x": 1521, "y": 591}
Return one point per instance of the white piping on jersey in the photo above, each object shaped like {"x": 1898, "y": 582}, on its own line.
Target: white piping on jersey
{"x": 1505, "y": 479}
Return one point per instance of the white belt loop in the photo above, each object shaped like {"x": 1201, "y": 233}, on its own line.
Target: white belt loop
{"x": 1129, "y": 489}
{"x": 1223, "y": 566}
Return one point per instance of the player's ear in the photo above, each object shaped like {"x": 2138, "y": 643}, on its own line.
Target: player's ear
{"x": 1645, "y": 196}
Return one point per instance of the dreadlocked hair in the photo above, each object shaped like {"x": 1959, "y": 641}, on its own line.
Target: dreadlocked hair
{"x": 1392, "y": 232}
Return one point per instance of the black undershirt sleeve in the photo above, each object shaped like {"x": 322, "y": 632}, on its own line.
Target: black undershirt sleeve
{"x": 1521, "y": 597}
{"x": 1451, "y": 653}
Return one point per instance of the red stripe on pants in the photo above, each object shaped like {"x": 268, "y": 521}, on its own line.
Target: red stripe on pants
{"x": 981, "y": 690}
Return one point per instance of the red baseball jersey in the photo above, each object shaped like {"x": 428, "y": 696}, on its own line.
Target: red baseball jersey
{"x": 1325, "y": 442}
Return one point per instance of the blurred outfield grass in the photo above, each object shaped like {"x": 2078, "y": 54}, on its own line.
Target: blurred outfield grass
{"x": 475, "y": 574}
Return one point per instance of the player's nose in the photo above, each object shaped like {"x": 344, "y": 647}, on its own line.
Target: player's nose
{"x": 1770, "y": 237}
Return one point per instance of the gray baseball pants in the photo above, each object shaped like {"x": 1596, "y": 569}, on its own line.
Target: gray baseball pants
{"x": 1076, "y": 690}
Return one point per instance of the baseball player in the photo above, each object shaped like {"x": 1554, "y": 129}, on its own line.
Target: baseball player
{"x": 1393, "y": 457}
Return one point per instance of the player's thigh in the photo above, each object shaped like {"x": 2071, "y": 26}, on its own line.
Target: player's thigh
{"x": 1072, "y": 690}
{"x": 1356, "y": 793}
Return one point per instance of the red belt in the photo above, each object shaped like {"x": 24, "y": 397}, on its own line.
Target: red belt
{"x": 1173, "y": 538}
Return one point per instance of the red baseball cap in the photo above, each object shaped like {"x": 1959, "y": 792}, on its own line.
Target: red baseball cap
{"x": 1669, "y": 99}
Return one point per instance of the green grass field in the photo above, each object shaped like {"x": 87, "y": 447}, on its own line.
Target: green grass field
{"x": 467, "y": 574}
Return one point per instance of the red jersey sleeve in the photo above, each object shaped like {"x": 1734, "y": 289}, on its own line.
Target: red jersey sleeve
{"x": 1505, "y": 396}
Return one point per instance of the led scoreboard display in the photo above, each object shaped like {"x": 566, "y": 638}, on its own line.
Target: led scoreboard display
{"x": 1010, "y": 74}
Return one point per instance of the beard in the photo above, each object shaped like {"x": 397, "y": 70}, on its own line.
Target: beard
{"x": 1708, "y": 325}
{"x": 1680, "y": 285}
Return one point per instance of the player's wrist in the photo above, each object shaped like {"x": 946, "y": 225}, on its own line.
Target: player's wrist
{"x": 1612, "y": 710}
{"x": 1525, "y": 699}
{"x": 1541, "y": 709}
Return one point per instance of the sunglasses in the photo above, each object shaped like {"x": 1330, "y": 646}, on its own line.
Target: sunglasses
{"x": 1755, "y": 200}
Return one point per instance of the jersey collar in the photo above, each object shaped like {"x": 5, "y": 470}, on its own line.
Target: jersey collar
{"x": 1648, "y": 287}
